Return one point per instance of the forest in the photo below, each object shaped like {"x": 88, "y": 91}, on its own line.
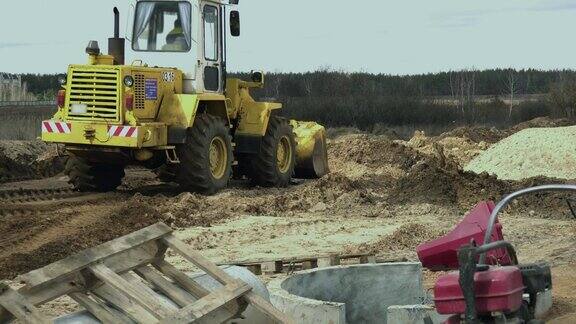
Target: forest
{"x": 368, "y": 101}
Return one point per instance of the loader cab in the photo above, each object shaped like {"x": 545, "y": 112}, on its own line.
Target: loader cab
{"x": 189, "y": 35}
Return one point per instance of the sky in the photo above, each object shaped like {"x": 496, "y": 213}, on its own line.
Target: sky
{"x": 376, "y": 36}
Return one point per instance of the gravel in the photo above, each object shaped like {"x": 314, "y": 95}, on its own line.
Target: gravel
{"x": 533, "y": 152}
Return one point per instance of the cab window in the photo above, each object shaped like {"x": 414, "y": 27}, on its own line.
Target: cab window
{"x": 162, "y": 26}
{"x": 211, "y": 33}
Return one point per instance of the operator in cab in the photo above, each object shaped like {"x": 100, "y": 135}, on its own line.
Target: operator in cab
{"x": 176, "y": 40}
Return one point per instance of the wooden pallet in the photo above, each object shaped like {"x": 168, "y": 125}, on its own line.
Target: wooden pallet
{"x": 302, "y": 263}
{"x": 119, "y": 281}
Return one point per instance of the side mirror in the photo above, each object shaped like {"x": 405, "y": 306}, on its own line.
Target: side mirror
{"x": 257, "y": 77}
{"x": 235, "y": 23}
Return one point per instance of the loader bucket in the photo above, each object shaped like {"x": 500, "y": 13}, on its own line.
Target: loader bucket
{"x": 311, "y": 150}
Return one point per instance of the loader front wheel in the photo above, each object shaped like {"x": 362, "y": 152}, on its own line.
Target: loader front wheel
{"x": 93, "y": 177}
{"x": 274, "y": 164}
{"x": 206, "y": 157}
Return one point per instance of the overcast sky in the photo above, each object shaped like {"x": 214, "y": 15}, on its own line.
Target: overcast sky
{"x": 379, "y": 36}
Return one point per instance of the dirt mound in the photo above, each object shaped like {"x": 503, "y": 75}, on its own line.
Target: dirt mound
{"x": 374, "y": 151}
{"x": 460, "y": 149}
{"x": 28, "y": 159}
{"x": 334, "y": 192}
{"x": 541, "y": 122}
{"x": 432, "y": 181}
{"x": 193, "y": 210}
{"x": 476, "y": 134}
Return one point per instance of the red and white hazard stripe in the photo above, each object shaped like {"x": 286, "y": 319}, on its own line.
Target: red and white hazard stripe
{"x": 50, "y": 126}
{"x": 123, "y": 131}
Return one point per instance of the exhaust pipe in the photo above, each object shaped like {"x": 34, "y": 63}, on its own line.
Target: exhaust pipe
{"x": 117, "y": 45}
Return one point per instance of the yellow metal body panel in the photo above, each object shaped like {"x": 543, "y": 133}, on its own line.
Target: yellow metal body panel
{"x": 179, "y": 110}
{"x": 148, "y": 135}
{"x": 254, "y": 116}
{"x": 168, "y": 82}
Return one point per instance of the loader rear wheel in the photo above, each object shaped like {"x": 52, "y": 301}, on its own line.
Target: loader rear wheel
{"x": 206, "y": 157}
{"x": 90, "y": 177}
{"x": 274, "y": 164}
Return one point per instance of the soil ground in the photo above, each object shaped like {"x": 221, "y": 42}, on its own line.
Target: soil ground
{"x": 383, "y": 196}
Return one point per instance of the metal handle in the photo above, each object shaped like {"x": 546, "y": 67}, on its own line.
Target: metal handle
{"x": 504, "y": 202}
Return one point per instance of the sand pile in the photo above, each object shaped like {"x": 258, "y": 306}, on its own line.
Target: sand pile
{"x": 533, "y": 152}
{"x": 28, "y": 159}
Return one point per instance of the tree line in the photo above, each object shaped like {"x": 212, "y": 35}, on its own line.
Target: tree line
{"x": 363, "y": 100}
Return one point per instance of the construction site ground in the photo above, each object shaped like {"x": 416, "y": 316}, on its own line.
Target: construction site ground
{"x": 384, "y": 196}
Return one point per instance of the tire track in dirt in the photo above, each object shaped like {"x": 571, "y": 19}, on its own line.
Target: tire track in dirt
{"x": 31, "y": 195}
{"x": 45, "y": 218}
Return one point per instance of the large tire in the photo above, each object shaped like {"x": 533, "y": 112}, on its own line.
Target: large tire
{"x": 274, "y": 165}
{"x": 90, "y": 177}
{"x": 206, "y": 157}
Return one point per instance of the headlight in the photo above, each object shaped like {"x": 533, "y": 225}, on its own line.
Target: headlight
{"x": 128, "y": 81}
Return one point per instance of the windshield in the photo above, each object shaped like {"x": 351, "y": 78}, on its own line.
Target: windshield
{"x": 162, "y": 26}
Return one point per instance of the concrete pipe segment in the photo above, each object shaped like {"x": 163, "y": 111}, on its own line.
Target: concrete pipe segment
{"x": 355, "y": 294}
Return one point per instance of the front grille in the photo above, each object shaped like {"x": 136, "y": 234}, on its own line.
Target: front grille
{"x": 139, "y": 92}
{"x": 96, "y": 88}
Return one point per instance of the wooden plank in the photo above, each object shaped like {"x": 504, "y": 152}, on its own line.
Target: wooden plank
{"x": 195, "y": 289}
{"x": 310, "y": 264}
{"x": 129, "y": 307}
{"x": 176, "y": 294}
{"x": 87, "y": 257}
{"x": 267, "y": 309}
{"x": 100, "y": 311}
{"x": 255, "y": 269}
{"x": 182, "y": 279}
{"x": 330, "y": 261}
{"x": 144, "y": 289}
{"x": 272, "y": 267}
{"x": 65, "y": 285}
{"x": 20, "y": 307}
{"x": 40, "y": 296}
{"x": 294, "y": 259}
{"x": 214, "y": 301}
{"x": 115, "y": 281}
{"x": 224, "y": 278}
{"x": 367, "y": 259}
{"x": 197, "y": 259}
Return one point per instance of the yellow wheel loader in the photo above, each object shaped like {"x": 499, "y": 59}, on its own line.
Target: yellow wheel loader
{"x": 190, "y": 123}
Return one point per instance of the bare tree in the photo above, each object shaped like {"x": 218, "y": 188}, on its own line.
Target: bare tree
{"x": 463, "y": 91}
{"x": 512, "y": 88}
